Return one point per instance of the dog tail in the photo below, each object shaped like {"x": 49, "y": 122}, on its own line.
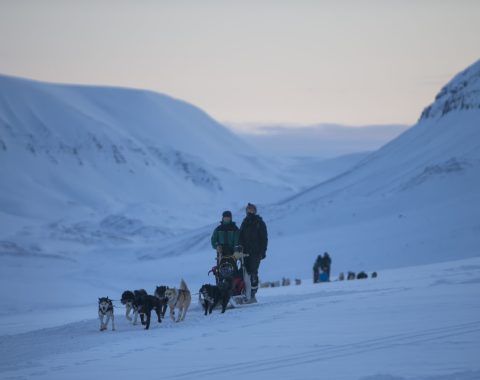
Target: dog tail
{"x": 183, "y": 285}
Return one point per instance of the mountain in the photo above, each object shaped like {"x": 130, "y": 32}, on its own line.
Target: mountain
{"x": 99, "y": 162}
{"x": 413, "y": 201}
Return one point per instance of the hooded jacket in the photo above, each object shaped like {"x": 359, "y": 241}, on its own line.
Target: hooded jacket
{"x": 254, "y": 236}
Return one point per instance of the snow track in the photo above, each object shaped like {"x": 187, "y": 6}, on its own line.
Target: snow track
{"x": 419, "y": 321}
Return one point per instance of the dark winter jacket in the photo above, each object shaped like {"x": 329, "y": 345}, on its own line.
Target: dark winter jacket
{"x": 254, "y": 236}
{"x": 322, "y": 263}
{"x": 327, "y": 262}
{"x": 226, "y": 235}
{"x": 318, "y": 263}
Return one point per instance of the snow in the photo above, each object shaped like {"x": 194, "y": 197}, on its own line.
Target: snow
{"x": 107, "y": 189}
{"x": 410, "y": 323}
{"x": 91, "y": 152}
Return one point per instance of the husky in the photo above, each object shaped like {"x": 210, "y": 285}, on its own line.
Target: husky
{"x": 160, "y": 294}
{"x": 138, "y": 296}
{"x": 146, "y": 304}
{"x": 362, "y": 275}
{"x": 211, "y": 295}
{"x": 131, "y": 300}
{"x": 105, "y": 309}
{"x": 180, "y": 299}
{"x": 128, "y": 299}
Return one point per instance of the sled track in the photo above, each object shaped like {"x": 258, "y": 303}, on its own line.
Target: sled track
{"x": 326, "y": 353}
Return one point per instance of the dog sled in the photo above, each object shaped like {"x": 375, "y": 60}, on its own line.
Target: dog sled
{"x": 230, "y": 272}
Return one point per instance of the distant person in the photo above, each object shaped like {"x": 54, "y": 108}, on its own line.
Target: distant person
{"x": 317, "y": 267}
{"x": 327, "y": 264}
{"x": 254, "y": 240}
{"x": 321, "y": 268}
{"x": 226, "y": 236}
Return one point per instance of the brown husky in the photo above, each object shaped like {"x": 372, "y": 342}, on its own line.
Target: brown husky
{"x": 180, "y": 299}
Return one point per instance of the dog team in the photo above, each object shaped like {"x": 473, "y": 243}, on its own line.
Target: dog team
{"x": 142, "y": 304}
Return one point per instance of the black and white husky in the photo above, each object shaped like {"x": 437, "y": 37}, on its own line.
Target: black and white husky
{"x": 128, "y": 299}
{"x": 131, "y": 301}
{"x": 105, "y": 309}
{"x": 160, "y": 294}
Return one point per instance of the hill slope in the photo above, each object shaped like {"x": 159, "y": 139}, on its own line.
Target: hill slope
{"x": 412, "y": 201}
{"x": 70, "y": 154}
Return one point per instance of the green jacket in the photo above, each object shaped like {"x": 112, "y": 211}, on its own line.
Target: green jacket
{"x": 227, "y": 235}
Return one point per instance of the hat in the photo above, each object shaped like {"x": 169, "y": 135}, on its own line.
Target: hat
{"x": 227, "y": 214}
{"x": 251, "y": 206}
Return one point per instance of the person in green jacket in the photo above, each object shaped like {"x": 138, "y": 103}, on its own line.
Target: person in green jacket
{"x": 225, "y": 237}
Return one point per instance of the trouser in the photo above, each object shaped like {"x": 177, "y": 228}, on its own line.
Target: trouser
{"x": 316, "y": 276}
{"x": 252, "y": 263}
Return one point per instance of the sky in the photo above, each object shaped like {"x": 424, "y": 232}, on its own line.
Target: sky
{"x": 359, "y": 62}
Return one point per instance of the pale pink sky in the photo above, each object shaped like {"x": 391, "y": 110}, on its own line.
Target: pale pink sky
{"x": 352, "y": 62}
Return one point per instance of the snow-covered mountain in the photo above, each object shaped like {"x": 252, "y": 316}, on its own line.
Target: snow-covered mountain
{"x": 415, "y": 200}
{"x": 131, "y": 162}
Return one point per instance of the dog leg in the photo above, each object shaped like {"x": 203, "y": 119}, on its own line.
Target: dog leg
{"x": 164, "y": 309}
{"x": 172, "y": 313}
{"x": 149, "y": 314}
{"x": 184, "y": 312}
{"x": 127, "y": 313}
{"x": 224, "y": 304}
{"x": 135, "y": 316}
{"x": 113, "y": 322}
{"x": 100, "y": 316}
{"x": 142, "y": 318}
{"x": 159, "y": 315}
{"x": 106, "y": 322}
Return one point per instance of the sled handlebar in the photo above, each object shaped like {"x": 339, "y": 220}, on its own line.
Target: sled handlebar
{"x": 235, "y": 256}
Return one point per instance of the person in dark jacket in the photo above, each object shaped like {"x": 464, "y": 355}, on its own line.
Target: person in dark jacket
{"x": 226, "y": 236}
{"x": 317, "y": 266}
{"x": 327, "y": 264}
{"x": 322, "y": 266}
{"x": 254, "y": 240}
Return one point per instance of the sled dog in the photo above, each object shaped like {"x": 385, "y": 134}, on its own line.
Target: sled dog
{"x": 178, "y": 299}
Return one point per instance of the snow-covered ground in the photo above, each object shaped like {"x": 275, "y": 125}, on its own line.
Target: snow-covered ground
{"x": 105, "y": 189}
{"x": 412, "y": 323}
